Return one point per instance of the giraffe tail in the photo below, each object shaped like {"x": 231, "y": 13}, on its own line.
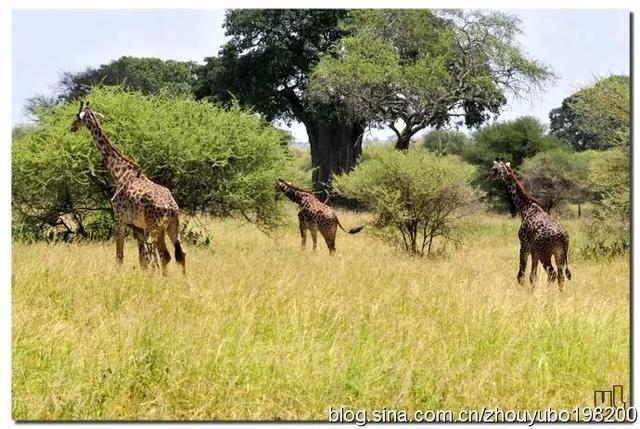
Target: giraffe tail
{"x": 566, "y": 260}
{"x": 354, "y": 230}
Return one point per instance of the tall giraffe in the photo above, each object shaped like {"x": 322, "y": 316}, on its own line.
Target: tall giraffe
{"x": 146, "y": 207}
{"x": 540, "y": 235}
{"x": 315, "y": 216}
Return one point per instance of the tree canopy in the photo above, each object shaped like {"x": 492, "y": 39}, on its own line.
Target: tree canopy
{"x": 266, "y": 62}
{"x": 223, "y": 162}
{"x": 265, "y": 65}
{"x": 147, "y": 75}
{"x": 596, "y": 116}
{"x": 419, "y": 68}
{"x": 512, "y": 140}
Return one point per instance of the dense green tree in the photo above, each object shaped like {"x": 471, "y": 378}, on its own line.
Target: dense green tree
{"x": 512, "y": 140}
{"x": 445, "y": 142}
{"x": 147, "y": 75}
{"x": 557, "y": 175}
{"x": 266, "y": 65}
{"x": 595, "y": 117}
{"x": 222, "y": 162}
{"x": 416, "y": 197}
{"x": 420, "y": 68}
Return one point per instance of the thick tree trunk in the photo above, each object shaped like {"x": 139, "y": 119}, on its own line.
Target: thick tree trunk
{"x": 335, "y": 149}
{"x": 403, "y": 142}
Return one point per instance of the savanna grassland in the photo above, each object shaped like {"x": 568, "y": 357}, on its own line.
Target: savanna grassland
{"x": 261, "y": 330}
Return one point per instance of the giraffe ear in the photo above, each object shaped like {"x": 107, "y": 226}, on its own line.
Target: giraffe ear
{"x": 508, "y": 164}
{"x": 495, "y": 162}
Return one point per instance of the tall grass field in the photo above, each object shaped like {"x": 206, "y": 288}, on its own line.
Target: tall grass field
{"x": 259, "y": 329}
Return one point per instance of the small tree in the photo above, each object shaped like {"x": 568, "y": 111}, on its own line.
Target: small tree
{"x": 609, "y": 177}
{"x": 445, "y": 142}
{"x": 555, "y": 176}
{"x": 416, "y": 196}
{"x": 513, "y": 140}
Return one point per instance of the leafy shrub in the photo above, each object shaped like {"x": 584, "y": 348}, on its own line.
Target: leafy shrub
{"x": 609, "y": 177}
{"x": 445, "y": 142}
{"x": 223, "y": 162}
{"x": 555, "y": 176}
{"x": 416, "y": 196}
{"x": 512, "y": 140}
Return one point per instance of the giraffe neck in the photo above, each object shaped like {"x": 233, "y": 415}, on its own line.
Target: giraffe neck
{"x": 522, "y": 200}
{"x": 119, "y": 166}
{"x": 294, "y": 195}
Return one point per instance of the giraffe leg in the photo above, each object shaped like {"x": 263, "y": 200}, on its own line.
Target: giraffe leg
{"x": 329, "y": 235}
{"x": 303, "y": 234}
{"x": 546, "y": 263}
{"x": 560, "y": 264}
{"x": 165, "y": 256}
{"x": 524, "y": 254}
{"x": 314, "y": 235}
{"x": 533, "y": 277}
{"x": 121, "y": 232}
{"x": 143, "y": 248}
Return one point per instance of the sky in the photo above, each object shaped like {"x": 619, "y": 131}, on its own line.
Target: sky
{"x": 579, "y": 45}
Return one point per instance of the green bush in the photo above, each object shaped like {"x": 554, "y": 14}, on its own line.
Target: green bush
{"x": 445, "y": 142}
{"x": 512, "y": 140}
{"x": 556, "y": 176}
{"x": 609, "y": 177}
{"x": 416, "y": 197}
{"x": 223, "y": 162}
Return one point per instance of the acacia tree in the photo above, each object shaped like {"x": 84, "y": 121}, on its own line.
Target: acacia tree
{"x": 557, "y": 175}
{"x": 410, "y": 69}
{"x": 266, "y": 64}
{"x": 147, "y": 75}
{"x": 595, "y": 117}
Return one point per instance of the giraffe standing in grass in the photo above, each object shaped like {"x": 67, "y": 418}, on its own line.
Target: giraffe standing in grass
{"x": 540, "y": 235}
{"x": 146, "y": 207}
{"x": 315, "y": 216}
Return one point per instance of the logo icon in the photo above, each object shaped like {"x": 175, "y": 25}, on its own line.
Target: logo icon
{"x": 610, "y": 398}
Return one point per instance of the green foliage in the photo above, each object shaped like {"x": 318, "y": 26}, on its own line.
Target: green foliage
{"x": 224, "y": 162}
{"x": 512, "y": 140}
{"x": 609, "y": 177}
{"x": 416, "y": 196}
{"x": 595, "y": 117}
{"x": 266, "y": 61}
{"x": 554, "y": 176}
{"x": 147, "y": 75}
{"x": 424, "y": 67}
{"x": 446, "y": 142}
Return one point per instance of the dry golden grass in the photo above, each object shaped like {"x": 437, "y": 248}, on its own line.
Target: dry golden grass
{"x": 261, "y": 330}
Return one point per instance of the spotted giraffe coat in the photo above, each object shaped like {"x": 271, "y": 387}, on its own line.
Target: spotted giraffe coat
{"x": 540, "y": 235}
{"x": 314, "y": 215}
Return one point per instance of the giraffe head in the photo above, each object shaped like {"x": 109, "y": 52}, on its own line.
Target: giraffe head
{"x": 291, "y": 191}
{"x": 82, "y": 115}
{"x": 500, "y": 170}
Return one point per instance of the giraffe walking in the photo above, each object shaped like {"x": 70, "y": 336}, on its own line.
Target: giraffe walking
{"x": 146, "y": 207}
{"x": 540, "y": 235}
{"x": 314, "y": 216}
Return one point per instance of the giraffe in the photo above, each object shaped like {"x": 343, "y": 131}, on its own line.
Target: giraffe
{"x": 314, "y": 215}
{"x": 146, "y": 207}
{"x": 540, "y": 235}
